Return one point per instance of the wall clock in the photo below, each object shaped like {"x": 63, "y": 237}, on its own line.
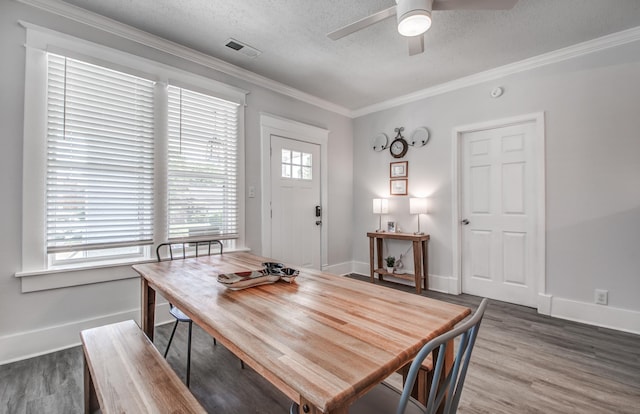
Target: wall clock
{"x": 399, "y": 145}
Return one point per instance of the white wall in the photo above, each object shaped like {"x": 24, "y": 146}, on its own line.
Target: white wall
{"x": 37, "y": 322}
{"x": 592, "y": 105}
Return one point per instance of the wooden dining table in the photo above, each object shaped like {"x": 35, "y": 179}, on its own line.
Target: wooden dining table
{"x": 323, "y": 340}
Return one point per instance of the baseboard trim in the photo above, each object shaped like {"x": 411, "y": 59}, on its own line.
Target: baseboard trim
{"x": 440, "y": 283}
{"x": 340, "y": 269}
{"x": 544, "y": 304}
{"x": 29, "y": 344}
{"x": 598, "y": 315}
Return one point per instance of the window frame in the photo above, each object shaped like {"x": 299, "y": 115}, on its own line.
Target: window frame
{"x": 39, "y": 41}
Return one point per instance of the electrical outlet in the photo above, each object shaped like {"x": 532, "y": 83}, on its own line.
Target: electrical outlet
{"x": 601, "y": 296}
{"x": 252, "y": 191}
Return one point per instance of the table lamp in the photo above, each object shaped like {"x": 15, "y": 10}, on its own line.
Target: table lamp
{"x": 380, "y": 207}
{"x": 418, "y": 206}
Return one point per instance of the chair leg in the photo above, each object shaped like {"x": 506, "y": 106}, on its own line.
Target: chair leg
{"x": 242, "y": 364}
{"x": 214, "y": 342}
{"x": 189, "y": 353}
{"x": 170, "y": 339}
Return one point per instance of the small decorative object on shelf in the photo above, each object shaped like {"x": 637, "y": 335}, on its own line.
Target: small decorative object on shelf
{"x": 391, "y": 226}
{"x": 391, "y": 261}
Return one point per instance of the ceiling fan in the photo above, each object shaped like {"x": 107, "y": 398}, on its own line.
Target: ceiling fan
{"x": 414, "y": 17}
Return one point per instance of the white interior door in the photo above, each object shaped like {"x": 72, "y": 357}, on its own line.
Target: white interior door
{"x": 498, "y": 217}
{"x": 295, "y": 193}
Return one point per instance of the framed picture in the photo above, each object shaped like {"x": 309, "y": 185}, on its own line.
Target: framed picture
{"x": 391, "y": 226}
{"x": 399, "y": 169}
{"x": 398, "y": 187}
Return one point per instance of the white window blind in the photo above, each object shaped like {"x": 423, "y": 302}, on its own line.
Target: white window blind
{"x": 99, "y": 190}
{"x": 203, "y": 165}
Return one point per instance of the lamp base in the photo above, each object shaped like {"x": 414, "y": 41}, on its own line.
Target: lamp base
{"x": 418, "y": 233}
{"x": 380, "y": 231}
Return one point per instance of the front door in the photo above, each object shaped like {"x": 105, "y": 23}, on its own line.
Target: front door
{"x": 498, "y": 217}
{"x": 295, "y": 202}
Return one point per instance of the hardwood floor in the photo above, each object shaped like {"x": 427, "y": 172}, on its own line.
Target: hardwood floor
{"x": 523, "y": 363}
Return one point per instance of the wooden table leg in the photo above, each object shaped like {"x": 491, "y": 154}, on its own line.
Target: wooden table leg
{"x": 91, "y": 404}
{"x": 425, "y": 263}
{"x": 147, "y": 308}
{"x": 371, "y": 263}
{"x": 421, "y": 385}
{"x": 379, "y": 256}
{"x": 417, "y": 265}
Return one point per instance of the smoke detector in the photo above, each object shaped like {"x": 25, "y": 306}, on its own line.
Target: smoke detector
{"x": 243, "y": 48}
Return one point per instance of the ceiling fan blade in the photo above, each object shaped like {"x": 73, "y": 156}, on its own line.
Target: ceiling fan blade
{"x": 473, "y": 4}
{"x": 362, "y": 23}
{"x": 416, "y": 45}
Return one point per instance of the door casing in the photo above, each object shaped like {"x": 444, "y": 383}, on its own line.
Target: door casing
{"x": 275, "y": 125}
{"x": 539, "y": 263}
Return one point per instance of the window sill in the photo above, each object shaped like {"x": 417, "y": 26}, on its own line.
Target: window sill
{"x": 83, "y": 274}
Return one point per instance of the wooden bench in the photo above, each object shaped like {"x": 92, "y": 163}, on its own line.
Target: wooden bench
{"x": 125, "y": 373}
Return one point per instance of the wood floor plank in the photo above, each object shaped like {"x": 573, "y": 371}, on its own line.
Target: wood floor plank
{"x": 523, "y": 363}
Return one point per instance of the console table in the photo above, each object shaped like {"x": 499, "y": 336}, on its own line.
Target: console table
{"x": 420, "y": 257}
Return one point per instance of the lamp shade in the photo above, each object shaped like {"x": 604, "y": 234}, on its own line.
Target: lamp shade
{"x": 380, "y": 206}
{"x": 418, "y": 206}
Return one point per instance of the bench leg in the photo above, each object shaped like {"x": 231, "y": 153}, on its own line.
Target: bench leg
{"x": 90, "y": 398}
{"x": 189, "y": 353}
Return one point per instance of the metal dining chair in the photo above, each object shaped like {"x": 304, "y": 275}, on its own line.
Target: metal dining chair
{"x": 183, "y": 247}
{"x": 386, "y": 399}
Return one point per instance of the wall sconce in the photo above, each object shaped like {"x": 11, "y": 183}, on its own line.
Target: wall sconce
{"x": 380, "y": 207}
{"x": 418, "y": 206}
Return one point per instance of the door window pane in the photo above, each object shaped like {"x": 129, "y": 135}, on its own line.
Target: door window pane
{"x": 296, "y": 165}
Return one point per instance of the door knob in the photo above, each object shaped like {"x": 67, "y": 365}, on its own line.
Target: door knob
{"x": 318, "y": 222}
{"x": 465, "y": 222}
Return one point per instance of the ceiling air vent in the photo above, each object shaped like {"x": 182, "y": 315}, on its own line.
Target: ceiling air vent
{"x": 243, "y": 48}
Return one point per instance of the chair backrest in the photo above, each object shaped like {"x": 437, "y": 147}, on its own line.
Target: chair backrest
{"x": 183, "y": 250}
{"x": 451, "y": 384}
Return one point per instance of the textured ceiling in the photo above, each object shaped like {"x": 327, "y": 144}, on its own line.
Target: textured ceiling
{"x": 372, "y": 65}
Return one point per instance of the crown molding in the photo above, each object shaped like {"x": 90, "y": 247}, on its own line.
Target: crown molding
{"x": 570, "y": 52}
{"x": 127, "y": 32}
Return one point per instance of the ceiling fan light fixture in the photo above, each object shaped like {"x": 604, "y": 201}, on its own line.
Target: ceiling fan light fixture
{"x": 414, "y": 24}
{"x": 414, "y": 16}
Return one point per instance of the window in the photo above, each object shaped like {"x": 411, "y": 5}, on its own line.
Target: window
{"x": 126, "y": 153}
{"x": 203, "y": 165}
{"x": 99, "y": 159}
{"x": 296, "y": 165}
